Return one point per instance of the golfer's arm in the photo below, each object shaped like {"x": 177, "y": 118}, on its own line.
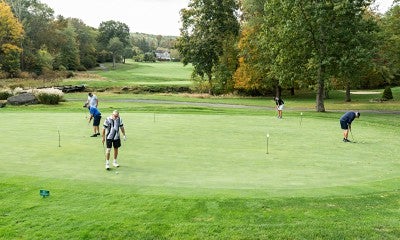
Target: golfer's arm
{"x": 123, "y": 130}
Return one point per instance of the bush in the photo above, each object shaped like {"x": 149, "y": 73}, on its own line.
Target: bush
{"x": 50, "y": 99}
{"x": 26, "y": 75}
{"x": 3, "y": 75}
{"x": 149, "y": 57}
{"x": 387, "y": 93}
{"x": 70, "y": 74}
{"x": 4, "y": 95}
{"x": 81, "y": 68}
{"x": 50, "y": 96}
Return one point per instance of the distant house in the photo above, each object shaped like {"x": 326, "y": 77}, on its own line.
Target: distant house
{"x": 163, "y": 55}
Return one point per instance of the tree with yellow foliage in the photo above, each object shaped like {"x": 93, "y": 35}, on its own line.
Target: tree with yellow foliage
{"x": 11, "y": 33}
{"x": 253, "y": 74}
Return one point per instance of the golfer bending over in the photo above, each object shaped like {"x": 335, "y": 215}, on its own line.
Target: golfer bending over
{"x": 279, "y": 106}
{"x": 345, "y": 123}
{"x": 112, "y": 125}
{"x": 95, "y": 114}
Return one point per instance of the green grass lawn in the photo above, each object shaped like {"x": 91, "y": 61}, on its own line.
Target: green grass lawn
{"x": 135, "y": 73}
{"x": 301, "y": 101}
{"x": 196, "y": 166}
{"x": 199, "y": 173}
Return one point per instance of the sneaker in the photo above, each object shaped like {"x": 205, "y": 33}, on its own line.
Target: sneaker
{"x": 94, "y": 135}
{"x": 115, "y": 164}
{"x": 98, "y": 134}
{"x": 346, "y": 140}
{"x": 107, "y": 166}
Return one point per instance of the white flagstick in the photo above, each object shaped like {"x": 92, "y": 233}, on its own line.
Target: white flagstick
{"x": 301, "y": 118}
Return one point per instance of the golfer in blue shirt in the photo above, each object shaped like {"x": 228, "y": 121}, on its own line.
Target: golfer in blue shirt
{"x": 345, "y": 123}
{"x": 95, "y": 114}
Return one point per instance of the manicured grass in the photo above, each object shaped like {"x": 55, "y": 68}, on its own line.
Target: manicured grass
{"x": 199, "y": 174}
{"x": 133, "y": 73}
{"x": 196, "y": 166}
{"x": 302, "y": 101}
{"x": 167, "y": 150}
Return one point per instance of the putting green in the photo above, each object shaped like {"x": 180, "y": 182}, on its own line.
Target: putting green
{"x": 194, "y": 155}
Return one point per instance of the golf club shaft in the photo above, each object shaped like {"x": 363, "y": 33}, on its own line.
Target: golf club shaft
{"x": 352, "y": 137}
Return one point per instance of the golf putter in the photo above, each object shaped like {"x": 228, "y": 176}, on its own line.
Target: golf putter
{"x": 352, "y": 137}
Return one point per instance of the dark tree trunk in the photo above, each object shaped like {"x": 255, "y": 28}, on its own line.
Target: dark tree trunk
{"x": 211, "y": 90}
{"x": 278, "y": 91}
{"x": 348, "y": 97}
{"x": 321, "y": 90}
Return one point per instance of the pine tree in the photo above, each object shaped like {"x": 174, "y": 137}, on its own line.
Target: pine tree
{"x": 387, "y": 94}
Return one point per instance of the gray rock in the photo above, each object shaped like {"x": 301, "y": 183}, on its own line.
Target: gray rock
{"x": 25, "y": 98}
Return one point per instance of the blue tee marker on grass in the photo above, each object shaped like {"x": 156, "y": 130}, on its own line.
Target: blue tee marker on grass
{"x": 44, "y": 193}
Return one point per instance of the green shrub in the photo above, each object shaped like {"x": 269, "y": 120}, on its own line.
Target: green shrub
{"x": 50, "y": 99}
{"x": 70, "y": 74}
{"x": 3, "y": 75}
{"x": 387, "y": 93}
{"x": 81, "y": 68}
{"x": 50, "y": 96}
{"x": 4, "y": 95}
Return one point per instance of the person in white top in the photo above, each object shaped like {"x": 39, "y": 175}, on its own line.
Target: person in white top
{"x": 92, "y": 101}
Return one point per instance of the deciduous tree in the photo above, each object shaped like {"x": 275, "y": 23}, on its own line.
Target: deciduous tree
{"x": 11, "y": 32}
{"x": 389, "y": 49}
{"x": 108, "y": 32}
{"x": 206, "y": 26}
{"x": 37, "y": 19}
{"x": 86, "y": 38}
{"x": 116, "y": 47}
{"x": 111, "y": 29}
{"x": 253, "y": 74}
{"x": 307, "y": 38}
{"x": 69, "y": 49}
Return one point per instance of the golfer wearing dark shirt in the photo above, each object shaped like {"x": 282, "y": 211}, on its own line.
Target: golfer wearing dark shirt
{"x": 279, "y": 106}
{"x": 345, "y": 123}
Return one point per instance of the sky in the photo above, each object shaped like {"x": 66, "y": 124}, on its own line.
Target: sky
{"x": 158, "y": 17}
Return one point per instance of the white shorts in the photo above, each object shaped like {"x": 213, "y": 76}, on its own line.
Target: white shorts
{"x": 280, "y": 107}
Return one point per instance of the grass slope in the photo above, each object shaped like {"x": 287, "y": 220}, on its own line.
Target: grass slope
{"x": 134, "y": 73}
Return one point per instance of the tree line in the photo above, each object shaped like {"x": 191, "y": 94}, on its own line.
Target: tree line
{"x": 263, "y": 46}
{"x": 34, "y": 42}
{"x": 253, "y": 47}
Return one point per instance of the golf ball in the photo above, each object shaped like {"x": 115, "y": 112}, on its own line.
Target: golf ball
{"x": 116, "y": 172}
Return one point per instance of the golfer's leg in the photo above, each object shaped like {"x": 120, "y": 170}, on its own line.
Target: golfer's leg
{"x": 115, "y": 153}
{"x": 346, "y": 133}
{"x": 108, "y": 150}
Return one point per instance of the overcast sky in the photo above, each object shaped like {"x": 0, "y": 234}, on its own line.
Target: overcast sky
{"x": 144, "y": 16}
